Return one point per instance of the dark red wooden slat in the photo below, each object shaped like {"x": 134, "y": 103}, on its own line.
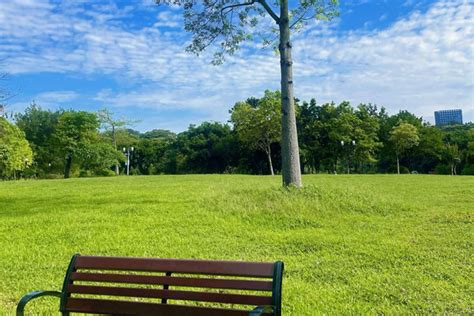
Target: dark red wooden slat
{"x": 171, "y": 294}
{"x": 140, "y": 308}
{"x": 234, "y": 268}
{"x": 177, "y": 281}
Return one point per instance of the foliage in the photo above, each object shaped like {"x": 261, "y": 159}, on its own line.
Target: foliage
{"x": 39, "y": 127}
{"x": 468, "y": 170}
{"x": 259, "y": 125}
{"x": 15, "y": 152}
{"x": 212, "y": 147}
{"x": 404, "y": 137}
{"x": 225, "y": 24}
{"x": 330, "y": 134}
{"x": 351, "y": 244}
{"x": 452, "y": 156}
{"x": 206, "y": 148}
{"x": 97, "y": 157}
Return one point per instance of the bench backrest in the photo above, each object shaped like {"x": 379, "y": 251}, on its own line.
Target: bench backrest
{"x": 167, "y": 286}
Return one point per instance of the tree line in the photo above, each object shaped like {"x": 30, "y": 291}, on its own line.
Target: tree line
{"x": 333, "y": 138}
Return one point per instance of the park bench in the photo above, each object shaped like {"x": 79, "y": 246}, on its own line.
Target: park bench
{"x": 146, "y": 286}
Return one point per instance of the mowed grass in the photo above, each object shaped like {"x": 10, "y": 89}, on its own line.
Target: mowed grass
{"x": 373, "y": 244}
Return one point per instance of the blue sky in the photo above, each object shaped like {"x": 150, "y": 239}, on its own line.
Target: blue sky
{"x": 129, "y": 56}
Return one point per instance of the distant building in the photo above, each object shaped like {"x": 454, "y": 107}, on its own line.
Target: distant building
{"x": 448, "y": 117}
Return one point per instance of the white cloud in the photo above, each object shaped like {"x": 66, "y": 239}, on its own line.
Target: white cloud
{"x": 56, "y": 96}
{"x": 421, "y": 63}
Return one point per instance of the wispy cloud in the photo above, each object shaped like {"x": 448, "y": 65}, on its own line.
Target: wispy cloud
{"x": 421, "y": 63}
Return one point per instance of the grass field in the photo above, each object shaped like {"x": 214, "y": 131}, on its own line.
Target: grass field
{"x": 351, "y": 244}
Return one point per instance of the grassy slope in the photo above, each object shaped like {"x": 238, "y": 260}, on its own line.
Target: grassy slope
{"x": 360, "y": 244}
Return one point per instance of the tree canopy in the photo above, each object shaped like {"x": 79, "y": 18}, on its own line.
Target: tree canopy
{"x": 15, "y": 152}
{"x": 404, "y": 137}
{"x": 333, "y": 138}
{"x": 259, "y": 125}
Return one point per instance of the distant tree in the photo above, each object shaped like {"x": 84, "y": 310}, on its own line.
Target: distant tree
{"x": 429, "y": 152}
{"x": 151, "y": 151}
{"x": 96, "y": 157}
{"x": 231, "y": 22}
{"x": 161, "y": 134}
{"x": 111, "y": 124}
{"x": 206, "y": 148}
{"x": 260, "y": 126}
{"x": 308, "y": 136}
{"x": 404, "y": 136}
{"x": 15, "y": 152}
{"x": 453, "y": 157}
{"x": 39, "y": 126}
{"x": 366, "y": 134}
{"x": 75, "y": 131}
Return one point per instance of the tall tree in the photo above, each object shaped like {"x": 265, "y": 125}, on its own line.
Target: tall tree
{"x": 15, "y": 152}
{"x": 429, "y": 152}
{"x": 76, "y": 130}
{"x": 107, "y": 120}
{"x": 404, "y": 136}
{"x": 231, "y": 22}
{"x": 453, "y": 157}
{"x": 39, "y": 126}
{"x": 259, "y": 126}
{"x": 366, "y": 134}
{"x": 207, "y": 148}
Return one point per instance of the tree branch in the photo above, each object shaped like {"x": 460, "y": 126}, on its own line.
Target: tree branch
{"x": 269, "y": 10}
{"x": 238, "y": 5}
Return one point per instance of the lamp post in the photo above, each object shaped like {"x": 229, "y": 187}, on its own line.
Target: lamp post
{"x": 127, "y": 152}
{"x": 353, "y": 143}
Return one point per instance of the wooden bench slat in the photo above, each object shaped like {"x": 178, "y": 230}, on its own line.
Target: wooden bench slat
{"x": 255, "y": 285}
{"x": 231, "y": 268}
{"x": 171, "y": 294}
{"x": 141, "y": 308}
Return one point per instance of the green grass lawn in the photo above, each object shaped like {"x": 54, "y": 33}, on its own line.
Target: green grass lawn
{"x": 351, "y": 244}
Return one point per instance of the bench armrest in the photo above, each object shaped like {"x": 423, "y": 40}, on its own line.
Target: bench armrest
{"x": 260, "y": 310}
{"x": 31, "y": 296}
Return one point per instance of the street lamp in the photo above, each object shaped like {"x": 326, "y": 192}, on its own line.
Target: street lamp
{"x": 353, "y": 143}
{"x": 127, "y": 152}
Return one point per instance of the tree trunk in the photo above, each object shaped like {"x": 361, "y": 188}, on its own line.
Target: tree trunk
{"x": 398, "y": 165}
{"x": 67, "y": 167}
{"x": 291, "y": 170}
{"x": 117, "y": 170}
{"x": 269, "y": 156}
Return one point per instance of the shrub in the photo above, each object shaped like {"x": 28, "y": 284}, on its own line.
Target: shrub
{"x": 442, "y": 169}
{"x": 84, "y": 174}
{"x": 468, "y": 170}
{"x": 105, "y": 173}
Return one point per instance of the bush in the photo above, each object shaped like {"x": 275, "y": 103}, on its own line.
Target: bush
{"x": 403, "y": 170}
{"x": 468, "y": 170}
{"x": 53, "y": 176}
{"x": 84, "y": 174}
{"x": 442, "y": 169}
{"x": 105, "y": 173}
